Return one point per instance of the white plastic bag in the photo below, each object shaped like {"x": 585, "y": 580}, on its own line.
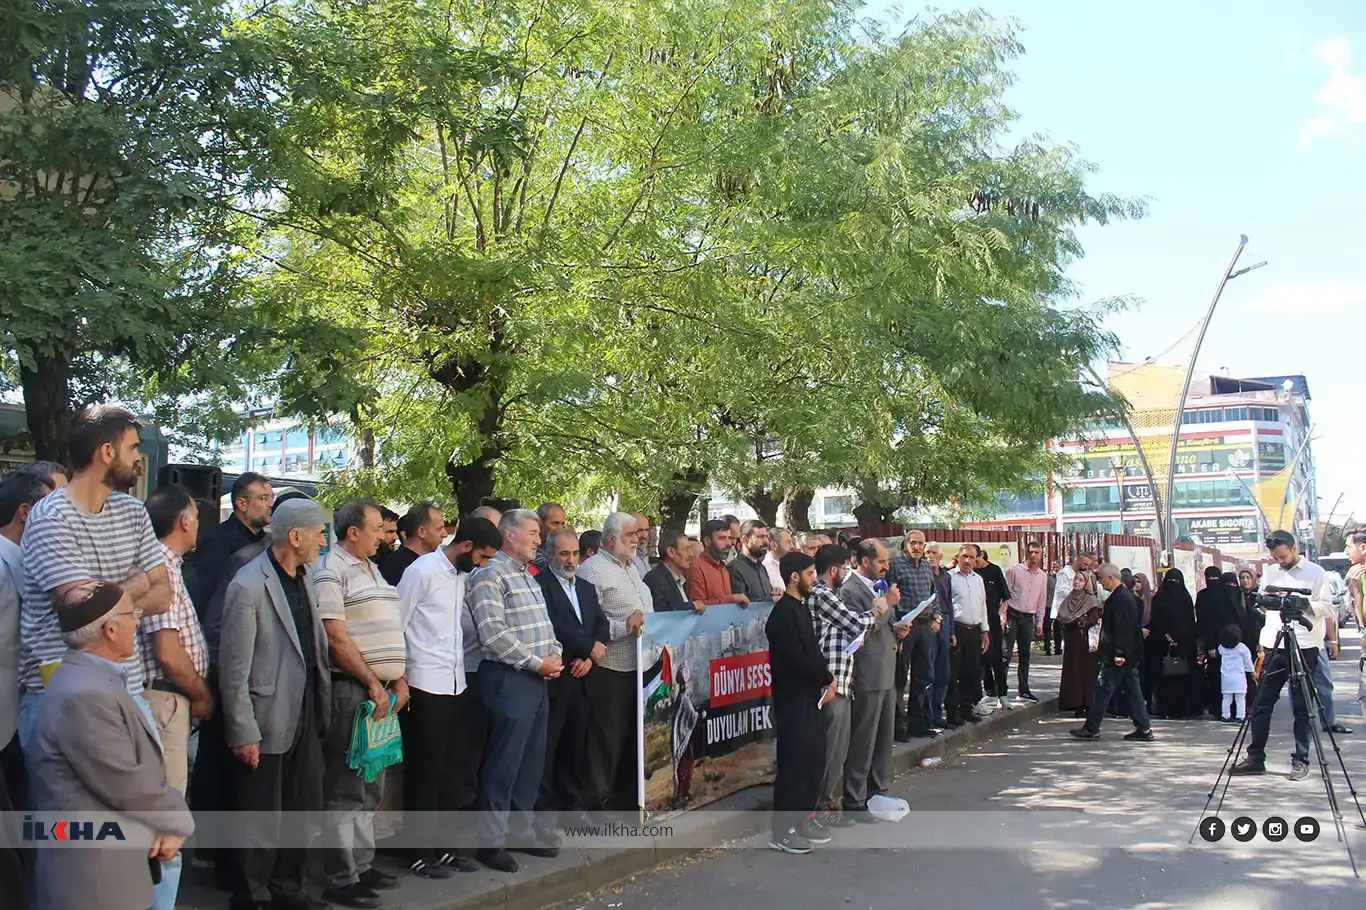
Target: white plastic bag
{"x": 888, "y": 808}
{"x": 1093, "y": 638}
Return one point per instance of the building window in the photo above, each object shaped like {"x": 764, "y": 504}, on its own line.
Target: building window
{"x": 1029, "y": 504}
{"x": 838, "y": 505}
{"x": 1205, "y": 494}
{"x": 334, "y": 458}
{"x": 271, "y": 439}
{"x": 265, "y": 465}
{"x": 331, "y": 436}
{"x": 1092, "y": 499}
{"x": 296, "y": 438}
{"x": 295, "y": 463}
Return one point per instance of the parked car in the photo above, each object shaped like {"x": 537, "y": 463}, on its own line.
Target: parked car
{"x": 1341, "y": 603}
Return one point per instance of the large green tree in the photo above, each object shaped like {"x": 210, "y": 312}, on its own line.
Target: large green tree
{"x": 118, "y": 125}
{"x": 581, "y": 249}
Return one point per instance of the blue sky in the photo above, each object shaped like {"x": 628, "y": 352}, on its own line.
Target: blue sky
{"x": 1246, "y": 117}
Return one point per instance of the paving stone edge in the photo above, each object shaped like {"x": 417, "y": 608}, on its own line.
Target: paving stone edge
{"x": 601, "y": 868}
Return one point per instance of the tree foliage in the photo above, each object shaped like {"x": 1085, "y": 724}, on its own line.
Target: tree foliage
{"x": 118, "y": 121}
{"x": 591, "y": 251}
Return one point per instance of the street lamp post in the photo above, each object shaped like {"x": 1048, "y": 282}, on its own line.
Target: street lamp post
{"x": 1229, "y": 275}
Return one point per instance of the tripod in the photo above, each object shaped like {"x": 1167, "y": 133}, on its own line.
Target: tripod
{"x": 1301, "y": 682}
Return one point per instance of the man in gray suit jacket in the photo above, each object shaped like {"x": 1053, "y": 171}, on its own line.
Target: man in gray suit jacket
{"x": 274, "y": 691}
{"x": 874, "y": 706}
{"x": 94, "y": 754}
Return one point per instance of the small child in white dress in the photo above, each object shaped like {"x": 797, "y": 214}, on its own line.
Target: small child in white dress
{"x": 1235, "y": 665}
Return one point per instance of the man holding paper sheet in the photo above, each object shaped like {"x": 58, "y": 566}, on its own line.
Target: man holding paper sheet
{"x": 873, "y": 718}
{"x": 837, "y": 628}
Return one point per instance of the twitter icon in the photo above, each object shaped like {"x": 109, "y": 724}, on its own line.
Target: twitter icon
{"x": 1244, "y": 829}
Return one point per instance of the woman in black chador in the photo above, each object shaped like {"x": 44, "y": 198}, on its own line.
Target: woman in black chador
{"x": 1171, "y": 647}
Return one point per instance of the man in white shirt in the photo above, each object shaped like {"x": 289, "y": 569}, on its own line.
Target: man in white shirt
{"x": 971, "y": 637}
{"x": 1288, "y": 570}
{"x": 441, "y": 750}
{"x": 625, "y": 599}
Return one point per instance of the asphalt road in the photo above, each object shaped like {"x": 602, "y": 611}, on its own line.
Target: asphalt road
{"x": 1039, "y": 820}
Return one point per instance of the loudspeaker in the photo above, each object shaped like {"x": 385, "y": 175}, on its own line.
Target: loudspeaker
{"x": 203, "y": 481}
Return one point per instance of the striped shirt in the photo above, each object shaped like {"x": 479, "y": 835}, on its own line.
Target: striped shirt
{"x": 181, "y": 617}
{"x": 510, "y": 613}
{"x": 63, "y": 544}
{"x": 621, "y": 592}
{"x": 352, "y": 590}
{"x": 836, "y": 627}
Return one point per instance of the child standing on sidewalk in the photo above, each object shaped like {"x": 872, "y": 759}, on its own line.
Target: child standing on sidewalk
{"x": 1235, "y": 666}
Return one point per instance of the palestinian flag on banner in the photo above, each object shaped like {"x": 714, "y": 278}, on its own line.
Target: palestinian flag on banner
{"x": 658, "y": 680}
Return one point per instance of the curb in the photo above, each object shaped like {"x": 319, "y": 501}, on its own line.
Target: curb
{"x": 593, "y": 870}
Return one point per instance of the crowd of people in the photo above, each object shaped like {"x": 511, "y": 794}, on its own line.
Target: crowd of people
{"x": 149, "y": 669}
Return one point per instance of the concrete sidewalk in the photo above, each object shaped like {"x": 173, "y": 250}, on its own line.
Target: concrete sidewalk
{"x": 576, "y": 871}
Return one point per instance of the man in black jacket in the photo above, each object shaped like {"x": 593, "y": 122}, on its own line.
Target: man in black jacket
{"x": 993, "y": 661}
{"x": 802, "y": 685}
{"x": 581, "y": 628}
{"x": 1121, "y": 654}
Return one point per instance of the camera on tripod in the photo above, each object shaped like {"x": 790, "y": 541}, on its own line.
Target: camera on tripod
{"x": 1291, "y": 603}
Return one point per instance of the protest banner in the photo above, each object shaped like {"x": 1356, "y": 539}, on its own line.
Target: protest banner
{"x": 706, "y": 728}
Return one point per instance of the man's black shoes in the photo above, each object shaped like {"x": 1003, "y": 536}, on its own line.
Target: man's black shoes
{"x": 376, "y": 880}
{"x": 1248, "y": 766}
{"x": 1085, "y": 733}
{"x": 1142, "y": 736}
{"x": 498, "y": 860}
{"x": 353, "y": 895}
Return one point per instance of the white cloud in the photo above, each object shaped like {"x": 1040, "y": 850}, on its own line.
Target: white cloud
{"x": 1332, "y": 298}
{"x": 1342, "y": 98}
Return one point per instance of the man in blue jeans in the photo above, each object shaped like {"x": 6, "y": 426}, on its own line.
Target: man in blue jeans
{"x": 1121, "y": 654}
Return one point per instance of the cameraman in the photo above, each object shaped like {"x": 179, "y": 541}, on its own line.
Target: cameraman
{"x": 1289, "y": 570}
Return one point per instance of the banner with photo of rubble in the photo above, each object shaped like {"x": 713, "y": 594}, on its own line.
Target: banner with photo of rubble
{"x": 706, "y": 728}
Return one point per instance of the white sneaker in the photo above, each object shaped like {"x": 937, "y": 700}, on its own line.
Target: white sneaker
{"x": 1007, "y": 703}
{"x": 987, "y": 705}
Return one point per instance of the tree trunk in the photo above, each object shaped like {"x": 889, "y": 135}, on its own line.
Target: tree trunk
{"x": 677, "y": 501}
{"x": 471, "y": 483}
{"x": 870, "y": 514}
{"x": 47, "y": 406}
{"x": 797, "y": 511}
{"x": 766, "y": 503}
{"x": 474, "y": 481}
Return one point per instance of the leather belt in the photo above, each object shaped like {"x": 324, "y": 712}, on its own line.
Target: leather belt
{"x": 165, "y": 685}
{"x": 969, "y": 625}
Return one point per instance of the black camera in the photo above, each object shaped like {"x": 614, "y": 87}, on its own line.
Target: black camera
{"x": 1291, "y": 603}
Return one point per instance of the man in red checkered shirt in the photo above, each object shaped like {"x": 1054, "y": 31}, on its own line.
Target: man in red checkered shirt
{"x": 174, "y": 653}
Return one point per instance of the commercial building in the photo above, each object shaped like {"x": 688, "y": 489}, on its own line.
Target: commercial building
{"x": 287, "y": 449}
{"x": 1244, "y": 463}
